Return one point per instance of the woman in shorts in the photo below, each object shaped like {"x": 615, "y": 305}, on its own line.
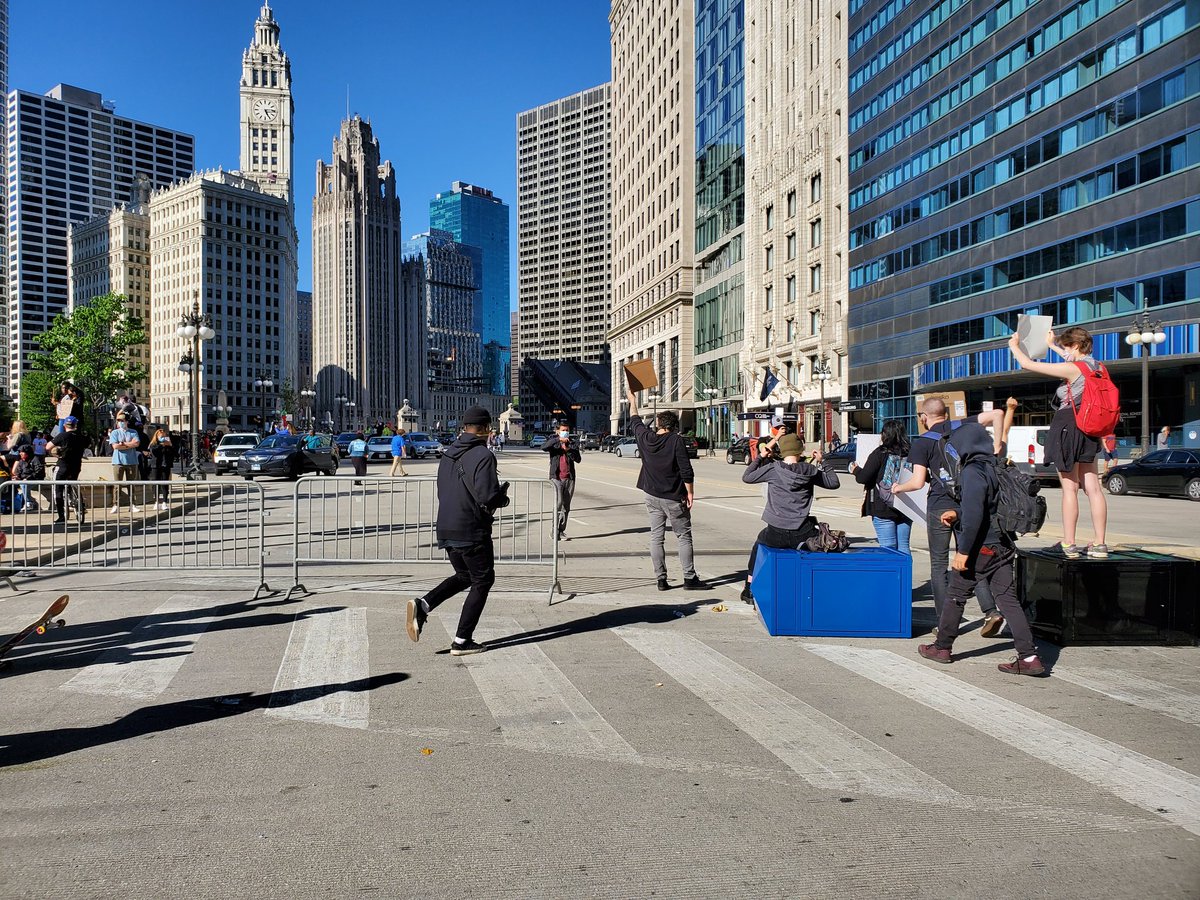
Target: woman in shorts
{"x": 1072, "y": 452}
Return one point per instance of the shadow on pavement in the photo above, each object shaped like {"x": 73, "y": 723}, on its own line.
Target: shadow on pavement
{"x": 646, "y": 614}
{"x": 19, "y": 749}
{"x": 73, "y": 646}
{"x": 586, "y": 537}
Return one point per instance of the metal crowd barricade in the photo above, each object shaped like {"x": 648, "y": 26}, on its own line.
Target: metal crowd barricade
{"x": 377, "y": 521}
{"x": 184, "y": 526}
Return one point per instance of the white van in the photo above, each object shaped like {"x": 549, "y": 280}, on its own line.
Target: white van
{"x": 1027, "y": 450}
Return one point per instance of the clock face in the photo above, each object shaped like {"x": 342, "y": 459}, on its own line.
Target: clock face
{"x": 265, "y": 110}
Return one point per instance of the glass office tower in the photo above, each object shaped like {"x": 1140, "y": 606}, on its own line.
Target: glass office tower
{"x": 477, "y": 217}
{"x": 1012, "y": 156}
{"x": 719, "y": 301}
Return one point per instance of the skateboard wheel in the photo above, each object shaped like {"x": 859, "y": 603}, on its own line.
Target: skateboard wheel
{"x": 60, "y": 623}
{"x": 41, "y": 629}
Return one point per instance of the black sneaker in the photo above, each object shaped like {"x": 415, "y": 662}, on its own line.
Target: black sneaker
{"x": 466, "y": 648}
{"x": 59, "y": 520}
{"x": 694, "y": 584}
{"x": 662, "y": 584}
{"x": 747, "y": 595}
{"x": 415, "y": 620}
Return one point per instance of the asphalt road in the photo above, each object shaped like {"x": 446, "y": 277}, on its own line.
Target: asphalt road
{"x": 177, "y": 739}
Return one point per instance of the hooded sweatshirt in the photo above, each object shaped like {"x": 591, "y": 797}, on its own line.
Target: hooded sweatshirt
{"x": 467, "y": 500}
{"x": 976, "y": 524}
{"x": 665, "y": 464}
{"x": 789, "y": 489}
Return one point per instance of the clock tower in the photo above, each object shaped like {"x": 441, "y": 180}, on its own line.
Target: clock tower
{"x": 267, "y": 110}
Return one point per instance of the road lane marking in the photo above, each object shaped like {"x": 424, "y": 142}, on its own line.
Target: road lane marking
{"x": 1135, "y": 778}
{"x": 325, "y": 648}
{"x": 535, "y": 704}
{"x": 822, "y": 751}
{"x": 1130, "y": 688}
{"x": 144, "y": 666}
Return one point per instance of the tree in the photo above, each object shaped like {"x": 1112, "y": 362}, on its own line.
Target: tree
{"x": 37, "y": 409}
{"x": 90, "y": 348}
{"x": 287, "y": 397}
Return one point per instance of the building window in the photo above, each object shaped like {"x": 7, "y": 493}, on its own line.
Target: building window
{"x": 770, "y": 217}
{"x": 814, "y": 280}
{"x": 769, "y": 293}
{"x": 814, "y": 321}
{"x": 815, "y": 233}
{"x": 791, "y": 329}
{"x": 770, "y": 258}
{"x": 814, "y": 186}
{"x": 791, "y": 203}
{"x": 791, "y": 288}
{"x": 791, "y": 245}
{"x": 767, "y": 335}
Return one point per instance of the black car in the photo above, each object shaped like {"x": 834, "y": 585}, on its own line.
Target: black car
{"x": 1173, "y": 473}
{"x": 609, "y": 444}
{"x": 343, "y": 441}
{"x": 738, "y": 452}
{"x": 290, "y": 456}
{"x": 693, "y": 447}
{"x": 841, "y": 458}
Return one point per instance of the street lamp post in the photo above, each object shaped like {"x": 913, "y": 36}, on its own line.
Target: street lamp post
{"x": 351, "y": 405}
{"x": 623, "y": 406}
{"x": 653, "y": 398}
{"x": 712, "y": 394}
{"x": 1143, "y": 335}
{"x": 340, "y": 399}
{"x": 194, "y": 326}
{"x": 222, "y": 413}
{"x": 263, "y": 384}
{"x": 307, "y": 398}
{"x": 822, "y": 373}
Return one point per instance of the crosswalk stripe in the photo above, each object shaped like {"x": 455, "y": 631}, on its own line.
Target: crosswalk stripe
{"x": 324, "y": 649}
{"x": 1135, "y": 778}
{"x": 144, "y": 666}
{"x": 535, "y": 704}
{"x": 819, "y": 749}
{"x": 1130, "y": 688}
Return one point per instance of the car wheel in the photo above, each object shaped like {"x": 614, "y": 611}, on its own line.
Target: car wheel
{"x": 331, "y": 471}
{"x": 1192, "y": 489}
{"x": 637, "y": 453}
{"x": 1117, "y": 484}
{"x": 729, "y": 457}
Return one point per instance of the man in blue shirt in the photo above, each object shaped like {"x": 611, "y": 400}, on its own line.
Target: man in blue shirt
{"x": 398, "y": 453}
{"x": 124, "y": 442}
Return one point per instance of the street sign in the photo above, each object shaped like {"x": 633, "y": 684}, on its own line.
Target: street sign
{"x": 854, "y": 406}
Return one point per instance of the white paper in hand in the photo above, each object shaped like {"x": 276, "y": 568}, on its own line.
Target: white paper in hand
{"x": 1031, "y": 334}
{"x": 912, "y": 504}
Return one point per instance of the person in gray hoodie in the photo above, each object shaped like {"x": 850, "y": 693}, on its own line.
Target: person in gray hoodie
{"x": 790, "y": 484}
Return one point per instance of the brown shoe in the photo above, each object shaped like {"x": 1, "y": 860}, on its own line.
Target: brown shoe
{"x": 992, "y": 625}
{"x": 936, "y": 654}
{"x": 1031, "y": 666}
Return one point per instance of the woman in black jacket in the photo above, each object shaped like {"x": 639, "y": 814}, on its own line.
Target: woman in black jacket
{"x": 892, "y": 528}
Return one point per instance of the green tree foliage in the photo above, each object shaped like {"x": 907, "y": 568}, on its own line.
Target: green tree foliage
{"x": 287, "y": 397}
{"x": 37, "y": 408}
{"x": 90, "y": 348}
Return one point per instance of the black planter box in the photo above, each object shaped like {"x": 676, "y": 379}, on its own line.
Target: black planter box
{"x": 1133, "y": 597}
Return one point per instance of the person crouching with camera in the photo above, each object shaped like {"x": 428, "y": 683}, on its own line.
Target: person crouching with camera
{"x": 469, "y": 493}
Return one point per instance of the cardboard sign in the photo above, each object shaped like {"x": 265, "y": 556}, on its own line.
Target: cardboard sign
{"x": 640, "y": 375}
{"x": 956, "y": 404}
{"x": 912, "y": 504}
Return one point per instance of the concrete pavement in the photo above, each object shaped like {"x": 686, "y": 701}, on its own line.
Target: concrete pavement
{"x": 179, "y": 740}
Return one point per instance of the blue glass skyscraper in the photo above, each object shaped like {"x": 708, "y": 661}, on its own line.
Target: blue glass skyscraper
{"x": 475, "y": 216}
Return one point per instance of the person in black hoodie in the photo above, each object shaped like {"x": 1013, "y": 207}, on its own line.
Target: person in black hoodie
{"x": 468, "y": 496}
{"x": 983, "y": 554}
{"x": 563, "y": 455}
{"x": 667, "y": 480}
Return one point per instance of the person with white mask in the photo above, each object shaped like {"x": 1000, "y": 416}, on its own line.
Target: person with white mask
{"x": 564, "y": 454}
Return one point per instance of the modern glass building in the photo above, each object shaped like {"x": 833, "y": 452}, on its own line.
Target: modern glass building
{"x": 475, "y": 216}
{"x": 1012, "y": 156}
{"x": 720, "y": 293}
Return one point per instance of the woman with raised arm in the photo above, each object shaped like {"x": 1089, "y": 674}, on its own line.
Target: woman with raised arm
{"x": 1072, "y": 452}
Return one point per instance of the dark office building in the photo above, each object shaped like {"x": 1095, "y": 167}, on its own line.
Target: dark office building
{"x": 1035, "y": 156}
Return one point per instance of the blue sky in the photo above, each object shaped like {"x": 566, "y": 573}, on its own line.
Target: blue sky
{"x": 441, "y": 82}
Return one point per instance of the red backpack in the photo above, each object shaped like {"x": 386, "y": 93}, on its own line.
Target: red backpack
{"x": 1100, "y": 406}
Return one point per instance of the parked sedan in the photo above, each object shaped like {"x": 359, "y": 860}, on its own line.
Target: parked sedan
{"x": 289, "y": 456}
{"x": 841, "y": 458}
{"x": 421, "y": 445}
{"x": 343, "y": 441}
{"x": 1174, "y": 473}
{"x": 693, "y": 447}
{"x": 609, "y": 444}
{"x": 738, "y": 452}
{"x": 628, "y": 447}
{"x": 230, "y": 450}
{"x": 379, "y": 447}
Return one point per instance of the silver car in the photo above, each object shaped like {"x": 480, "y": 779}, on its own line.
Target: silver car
{"x": 628, "y": 447}
{"x": 422, "y": 445}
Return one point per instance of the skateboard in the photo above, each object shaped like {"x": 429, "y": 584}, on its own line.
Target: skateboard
{"x": 46, "y": 620}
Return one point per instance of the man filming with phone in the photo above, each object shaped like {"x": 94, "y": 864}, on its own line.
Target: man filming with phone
{"x": 469, "y": 494}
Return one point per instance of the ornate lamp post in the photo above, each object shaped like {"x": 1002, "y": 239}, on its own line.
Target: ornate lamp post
{"x": 711, "y": 393}
{"x": 821, "y": 374}
{"x": 264, "y": 384}
{"x": 653, "y": 398}
{"x": 351, "y": 405}
{"x": 194, "y": 326}
{"x": 340, "y": 399}
{"x": 1144, "y": 335}
{"x": 307, "y": 397}
{"x": 624, "y": 407}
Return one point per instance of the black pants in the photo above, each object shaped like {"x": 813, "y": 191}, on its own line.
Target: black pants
{"x": 474, "y": 568}
{"x": 566, "y": 490}
{"x": 780, "y": 539}
{"x": 993, "y": 568}
{"x": 939, "y": 575}
{"x": 360, "y": 465}
{"x": 64, "y": 494}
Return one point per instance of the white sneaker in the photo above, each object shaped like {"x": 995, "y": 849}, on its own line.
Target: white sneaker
{"x": 114, "y": 511}
{"x": 135, "y": 509}
{"x": 163, "y": 506}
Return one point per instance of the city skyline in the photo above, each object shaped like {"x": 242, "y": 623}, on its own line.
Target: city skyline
{"x": 188, "y": 94}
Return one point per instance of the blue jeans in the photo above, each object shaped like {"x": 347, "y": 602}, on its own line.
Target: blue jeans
{"x": 892, "y": 534}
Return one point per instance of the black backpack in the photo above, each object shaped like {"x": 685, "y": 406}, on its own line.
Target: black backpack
{"x": 1019, "y": 509}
